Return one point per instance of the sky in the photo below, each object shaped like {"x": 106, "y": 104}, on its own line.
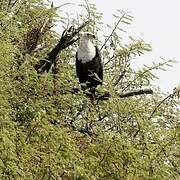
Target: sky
{"x": 155, "y": 21}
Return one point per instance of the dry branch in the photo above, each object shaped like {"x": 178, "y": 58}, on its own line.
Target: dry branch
{"x": 136, "y": 92}
{"x": 67, "y": 39}
{"x": 107, "y": 95}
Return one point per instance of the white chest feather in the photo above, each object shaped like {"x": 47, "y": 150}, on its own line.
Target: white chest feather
{"x": 86, "y": 51}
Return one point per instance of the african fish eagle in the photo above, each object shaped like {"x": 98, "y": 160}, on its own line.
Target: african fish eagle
{"x": 89, "y": 67}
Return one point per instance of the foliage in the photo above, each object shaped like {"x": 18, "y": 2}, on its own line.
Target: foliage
{"x": 47, "y": 131}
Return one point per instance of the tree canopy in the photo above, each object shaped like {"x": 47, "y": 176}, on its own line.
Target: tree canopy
{"x": 50, "y": 129}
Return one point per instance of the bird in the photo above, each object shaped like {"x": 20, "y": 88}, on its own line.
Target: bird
{"x": 89, "y": 66}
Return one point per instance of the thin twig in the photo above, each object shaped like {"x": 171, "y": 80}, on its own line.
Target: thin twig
{"x": 57, "y": 7}
{"x": 119, "y": 78}
{"x": 161, "y": 102}
{"x": 144, "y": 72}
{"x": 88, "y": 10}
{"x": 112, "y": 31}
{"x": 9, "y": 3}
{"x": 12, "y": 4}
{"x": 105, "y": 154}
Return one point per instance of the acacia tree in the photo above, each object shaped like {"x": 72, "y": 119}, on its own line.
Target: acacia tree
{"x": 49, "y": 129}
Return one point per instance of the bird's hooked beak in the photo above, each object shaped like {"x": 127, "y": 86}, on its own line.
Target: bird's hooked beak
{"x": 91, "y": 36}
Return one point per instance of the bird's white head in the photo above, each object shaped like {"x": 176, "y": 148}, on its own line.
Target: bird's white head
{"x": 87, "y": 36}
{"x": 86, "y": 51}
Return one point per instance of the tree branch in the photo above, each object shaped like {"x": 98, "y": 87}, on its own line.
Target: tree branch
{"x": 120, "y": 19}
{"x": 156, "y": 66}
{"x": 176, "y": 91}
{"x": 107, "y": 95}
{"x": 12, "y": 4}
{"x": 67, "y": 39}
{"x": 136, "y": 93}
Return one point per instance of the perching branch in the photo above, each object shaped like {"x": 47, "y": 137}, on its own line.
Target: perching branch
{"x": 136, "y": 93}
{"x": 107, "y": 95}
{"x": 67, "y": 39}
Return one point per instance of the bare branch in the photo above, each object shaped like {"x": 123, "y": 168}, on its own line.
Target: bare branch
{"x": 165, "y": 99}
{"x": 107, "y": 95}
{"x": 136, "y": 93}
{"x": 67, "y": 39}
{"x": 120, "y": 19}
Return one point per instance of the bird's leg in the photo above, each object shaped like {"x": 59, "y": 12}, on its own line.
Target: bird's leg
{"x": 93, "y": 94}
